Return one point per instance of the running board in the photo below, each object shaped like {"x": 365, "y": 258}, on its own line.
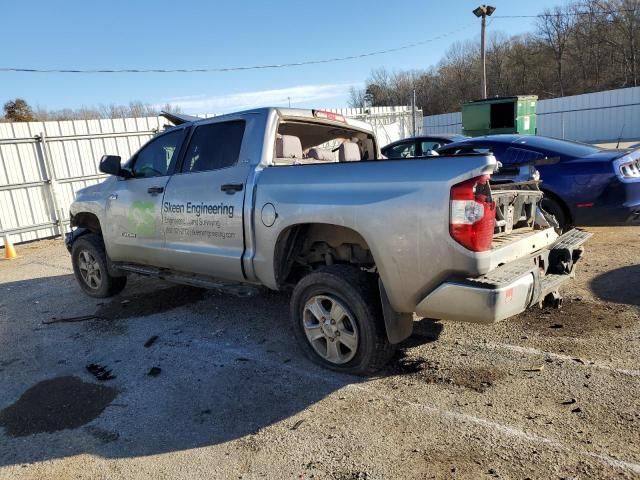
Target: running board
{"x": 200, "y": 281}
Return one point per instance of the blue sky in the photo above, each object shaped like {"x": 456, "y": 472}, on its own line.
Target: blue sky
{"x": 221, "y": 33}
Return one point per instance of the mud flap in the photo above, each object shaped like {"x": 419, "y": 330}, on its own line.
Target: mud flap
{"x": 399, "y": 326}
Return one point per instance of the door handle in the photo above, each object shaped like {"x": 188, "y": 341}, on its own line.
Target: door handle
{"x": 232, "y": 188}
{"x": 155, "y": 190}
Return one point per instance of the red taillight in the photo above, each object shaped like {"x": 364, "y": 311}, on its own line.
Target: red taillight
{"x": 472, "y": 214}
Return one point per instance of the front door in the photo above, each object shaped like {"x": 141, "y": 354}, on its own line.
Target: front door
{"x": 203, "y": 202}
{"x": 133, "y": 227}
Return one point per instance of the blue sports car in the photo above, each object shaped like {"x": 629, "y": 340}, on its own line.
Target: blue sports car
{"x": 583, "y": 184}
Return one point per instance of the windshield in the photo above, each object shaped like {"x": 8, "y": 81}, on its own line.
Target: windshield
{"x": 561, "y": 147}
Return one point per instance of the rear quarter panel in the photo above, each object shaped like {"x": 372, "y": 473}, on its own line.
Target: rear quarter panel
{"x": 400, "y": 207}
{"x": 579, "y": 182}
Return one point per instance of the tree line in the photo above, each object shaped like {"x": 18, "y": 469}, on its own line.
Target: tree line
{"x": 19, "y": 110}
{"x": 581, "y": 47}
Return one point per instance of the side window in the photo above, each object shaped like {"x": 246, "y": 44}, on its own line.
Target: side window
{"x": 214, "y": 146}
{"x": 156, "y": 156}
{"x": 520, "y": 155}
{"x": 404, "y": 150}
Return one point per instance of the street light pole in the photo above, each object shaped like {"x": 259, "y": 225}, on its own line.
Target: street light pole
{"x": 482, "y": 12}
{"x": 483, "y": 57}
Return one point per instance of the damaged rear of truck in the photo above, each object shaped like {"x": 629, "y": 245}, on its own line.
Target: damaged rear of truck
{"x": 440, "y": 240}
{"x": 303, "y": 201}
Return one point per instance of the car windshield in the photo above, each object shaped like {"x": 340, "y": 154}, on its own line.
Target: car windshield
{"x": 561, "y": 147}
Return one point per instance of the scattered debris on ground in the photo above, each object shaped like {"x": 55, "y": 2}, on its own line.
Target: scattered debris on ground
{"x": 100, "y": 372}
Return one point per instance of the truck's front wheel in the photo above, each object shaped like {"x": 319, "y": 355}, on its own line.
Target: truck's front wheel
{"x": 89, "y": 260}
{"x": 337, "y": 319}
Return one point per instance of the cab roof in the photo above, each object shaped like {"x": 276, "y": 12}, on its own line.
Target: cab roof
{"x": 286, "y": 113}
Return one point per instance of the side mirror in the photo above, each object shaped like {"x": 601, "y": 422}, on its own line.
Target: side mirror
{"x": 111, "y": 164}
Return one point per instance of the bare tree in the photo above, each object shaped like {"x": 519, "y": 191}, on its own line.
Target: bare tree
{"x": 554, "y": 27}
{"x": 357, "y": 97}
{"x": 626, "y": 21}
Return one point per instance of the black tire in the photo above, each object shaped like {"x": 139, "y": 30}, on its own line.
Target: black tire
{"x": 357, "y": 292}
{"x": 552, "y": 206}
{"x": 91, "y": 246}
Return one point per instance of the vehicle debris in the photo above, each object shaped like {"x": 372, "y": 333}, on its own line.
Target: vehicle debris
{"x": 100, "y": 372}
{"x": 297, "y": 424}
{"x": 81, "y": 318}
{"x": 535, "y": 369}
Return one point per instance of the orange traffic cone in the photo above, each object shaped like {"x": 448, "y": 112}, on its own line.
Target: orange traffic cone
{"x": 9, "y": 249}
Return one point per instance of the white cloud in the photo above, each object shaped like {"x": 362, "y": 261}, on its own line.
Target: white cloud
{"x": 303, "y": 94}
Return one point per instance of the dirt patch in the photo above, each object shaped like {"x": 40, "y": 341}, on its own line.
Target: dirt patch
{"x": 56, "y": 404}
{"x": 478, "y": 379}
{"x": 578, "y": 317}
{"x": 149, "y": 303}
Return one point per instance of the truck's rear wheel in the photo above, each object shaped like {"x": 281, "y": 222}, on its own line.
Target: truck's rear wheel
{"x": 89, "y": 260}
{"x": 337, "y": 319}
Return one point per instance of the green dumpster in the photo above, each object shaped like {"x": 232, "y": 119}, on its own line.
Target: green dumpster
{"x": 500, "y": 115}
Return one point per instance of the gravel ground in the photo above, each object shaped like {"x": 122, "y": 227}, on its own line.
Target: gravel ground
{"x": 176, "y": 382}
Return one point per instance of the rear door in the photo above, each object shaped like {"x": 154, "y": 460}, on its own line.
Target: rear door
{"x": 203, "y": 203}
{"x": 133, "y": 230}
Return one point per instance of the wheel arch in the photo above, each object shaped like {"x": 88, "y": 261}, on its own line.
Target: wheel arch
{"x": 294, "y": 239}
{"x": 88, "y": 221}
{"x": 556, "y": 198}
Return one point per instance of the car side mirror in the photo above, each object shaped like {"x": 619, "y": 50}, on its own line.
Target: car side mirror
{"x": 110, "y": 164}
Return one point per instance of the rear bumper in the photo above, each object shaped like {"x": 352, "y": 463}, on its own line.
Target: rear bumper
{"x": 509, "y": 289}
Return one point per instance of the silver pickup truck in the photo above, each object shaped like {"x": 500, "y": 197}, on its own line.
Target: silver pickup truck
{"x": 302, "y": 200}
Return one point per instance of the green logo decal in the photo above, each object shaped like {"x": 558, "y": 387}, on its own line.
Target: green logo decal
{"x": 142, "y": 218}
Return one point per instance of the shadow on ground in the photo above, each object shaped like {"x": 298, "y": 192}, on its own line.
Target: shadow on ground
{"x": 621, "y": 285}
{"x": 225, "y": 368}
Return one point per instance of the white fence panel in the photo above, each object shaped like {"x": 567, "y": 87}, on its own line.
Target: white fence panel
{"x": 444, "y": 123}
{"x": 43, "y": 164}
{"x": 389, "y": 123}
{"x": 592, "y": 117}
